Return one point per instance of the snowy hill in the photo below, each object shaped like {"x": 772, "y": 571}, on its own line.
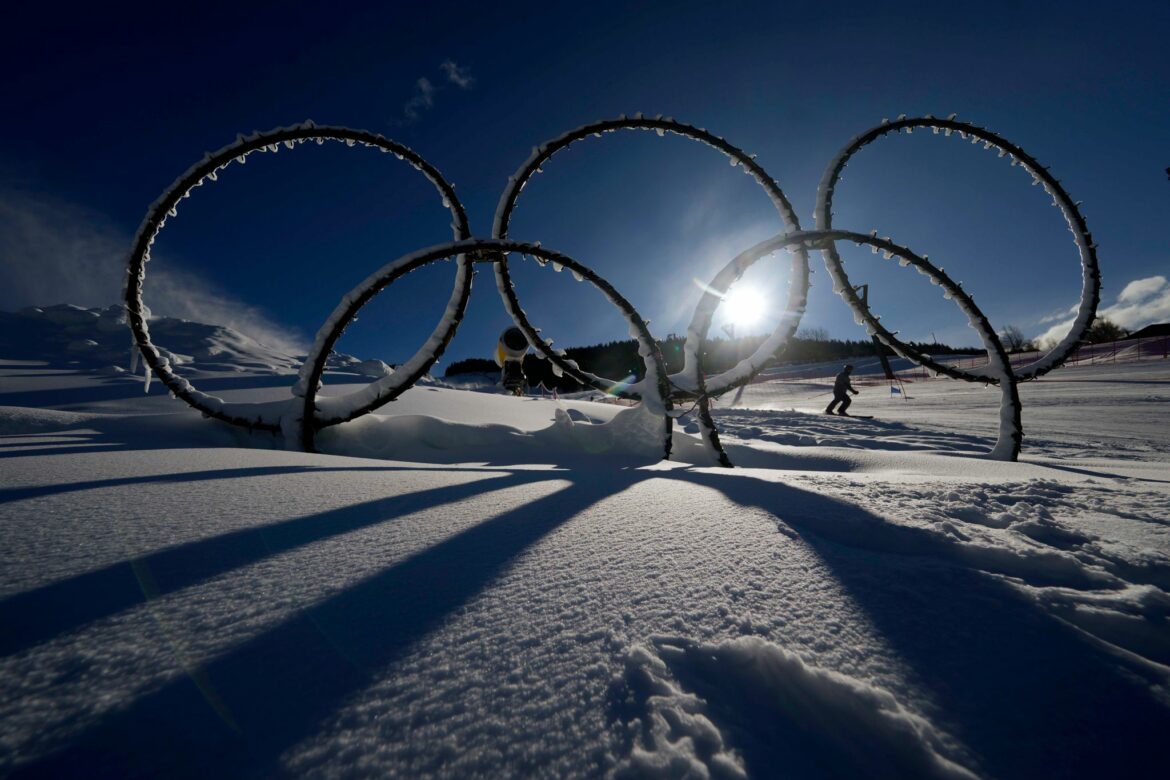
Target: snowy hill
{"x": 70, "y": 336}
{"x": 477, "y": 585}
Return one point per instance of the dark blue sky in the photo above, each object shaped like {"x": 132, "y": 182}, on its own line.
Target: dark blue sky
{"x": 105, "y": 107}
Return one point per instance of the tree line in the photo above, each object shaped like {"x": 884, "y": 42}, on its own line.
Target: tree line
{"x": 1102, "y": 331}
{"x": 620, "y": 360}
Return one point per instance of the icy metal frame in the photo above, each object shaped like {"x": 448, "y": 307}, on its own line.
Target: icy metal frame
{"x": 685, "y": 385}
{"x": 267, "y": 416}
{"x": 798, "y": 286}
{"x": 307, "y": 413}
{"x": 1000, "y": 371}
{"x": 318, "y": 413}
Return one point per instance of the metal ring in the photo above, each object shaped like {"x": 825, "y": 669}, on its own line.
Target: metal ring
{"x": 315, "y": 414}
{"x": 1010, "y": 436}
{"x": 798, "y": 285}
{"x": 1091, "y": 277}
{"x": 261, "y": 416}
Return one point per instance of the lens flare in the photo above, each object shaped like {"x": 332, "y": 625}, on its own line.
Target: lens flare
{"x": 744, "y": 307}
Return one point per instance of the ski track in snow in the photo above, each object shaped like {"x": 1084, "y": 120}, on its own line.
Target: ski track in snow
{"x": 499, "y": 587}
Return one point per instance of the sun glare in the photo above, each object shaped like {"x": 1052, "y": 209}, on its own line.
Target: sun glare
{"x": 743, "y": 307}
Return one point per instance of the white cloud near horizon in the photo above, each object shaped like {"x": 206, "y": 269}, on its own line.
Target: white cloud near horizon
{"x": 1140, "y": 303}
{"x": 54, "y": 252}
{"x": 1140, "y": 289}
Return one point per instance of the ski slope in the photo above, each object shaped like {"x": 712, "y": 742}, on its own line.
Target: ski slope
{"x": 474, "y": 585}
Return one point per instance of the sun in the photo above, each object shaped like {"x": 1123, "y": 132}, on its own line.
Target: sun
{"x": 744, "y": 307}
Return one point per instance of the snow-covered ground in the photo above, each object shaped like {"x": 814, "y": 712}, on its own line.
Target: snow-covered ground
{"x": 476, "y": 585}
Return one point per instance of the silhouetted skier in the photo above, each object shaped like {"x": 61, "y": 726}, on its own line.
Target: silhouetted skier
{"x": 841, "y": 386}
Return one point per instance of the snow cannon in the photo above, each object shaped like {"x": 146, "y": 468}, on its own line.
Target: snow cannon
{"x": 510, "y": 352}
{"x": 513, "y": 346}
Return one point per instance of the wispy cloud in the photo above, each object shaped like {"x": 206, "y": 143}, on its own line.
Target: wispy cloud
{"x": 423, "y": 98}
{"x": 52, "y": 251}
{"x": 1058, "y": 316}
{"x": 1141, "y": 302}
{"x": 425, "y": 90}
{"x": 459, "y": 76}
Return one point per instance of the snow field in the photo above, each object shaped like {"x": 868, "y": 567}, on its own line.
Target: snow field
{"x": 505, "y": 587}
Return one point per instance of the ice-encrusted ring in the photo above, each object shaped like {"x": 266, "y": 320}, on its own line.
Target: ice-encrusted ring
{"x": 682, "y": 385}
{"x": 999, "y": 366}
{"x": 317, "y": 412}
{"x": 1091, "y": 277}
{"x": 1008, "y": 445}
{"x": 260, "y": 416}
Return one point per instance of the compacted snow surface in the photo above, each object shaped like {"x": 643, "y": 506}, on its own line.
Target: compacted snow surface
{"x": 476, "y": 585}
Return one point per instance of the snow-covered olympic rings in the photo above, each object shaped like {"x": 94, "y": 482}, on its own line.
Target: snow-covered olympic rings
{"x": 306, "y": 413}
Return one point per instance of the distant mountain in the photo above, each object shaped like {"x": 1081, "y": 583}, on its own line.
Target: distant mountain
{"x": 69, "y": 336}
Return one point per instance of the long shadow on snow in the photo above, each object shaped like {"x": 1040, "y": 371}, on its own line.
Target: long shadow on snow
{"x": 64, "y": 441}
{"x": 111, "y": 435}
{"x": 38, "y": 615}
{"x": 277, "y": 688}
{"x": 40, "y": 491}
{"x": 121, "y": 433}
{"x": 1158, "y": 382}
{"x": 1101, "y": 474}
{"x": 1028, "y": 695}
{"x": 63, "y": 448}
{"x": 972, "y": 642}
{"x": 121, "y": 388}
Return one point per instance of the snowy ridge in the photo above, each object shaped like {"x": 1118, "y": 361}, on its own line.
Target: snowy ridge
{"x": 98, "y": 338}
{"x": 632, "y": 431}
